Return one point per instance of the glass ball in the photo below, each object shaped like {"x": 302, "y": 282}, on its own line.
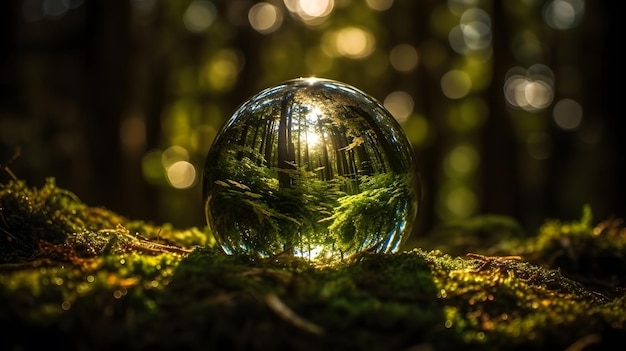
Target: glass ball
{"x": 312, "y": 168}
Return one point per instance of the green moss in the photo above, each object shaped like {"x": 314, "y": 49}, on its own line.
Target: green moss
{"x": 84, "y": 278}
{"x": 592, "y": 254}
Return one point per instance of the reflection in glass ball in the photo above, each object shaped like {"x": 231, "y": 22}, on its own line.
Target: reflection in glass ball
{"x": 312, "y": 168}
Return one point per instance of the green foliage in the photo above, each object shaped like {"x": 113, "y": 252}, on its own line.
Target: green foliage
{"x": 595, "y": 254}
{"x": 310, "y": 212}
{"x": 487, "y": 234}
{"x": 28, "y": 215}
{"x": 357, "y": 216}
{"x": 37, "y": 223}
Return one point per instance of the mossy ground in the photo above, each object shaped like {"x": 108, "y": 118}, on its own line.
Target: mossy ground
{"x": 81, "y": 277}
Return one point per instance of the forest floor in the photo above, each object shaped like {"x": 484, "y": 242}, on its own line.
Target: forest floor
{"x": 86, "y": 278}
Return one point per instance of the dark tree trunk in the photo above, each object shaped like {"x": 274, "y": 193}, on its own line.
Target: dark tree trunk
{"x": 286, "y": 152}
{"x": 108, "y": 26}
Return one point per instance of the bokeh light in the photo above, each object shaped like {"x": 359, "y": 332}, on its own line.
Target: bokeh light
{"x": 455, "y": 84}
{"x": 351, "y": 42}
{"x": 564, "y": 14}
{"x": 469, "y": 115}
{"x": 221, "y": 71}
{"x": 171, "y": 166}
{"x": 457, "y": 7}
{"x": 532, "y": 90}
{"x": 174, "y": 154}
{"x": 456, "y": 201}
{"x": 462, "y": 202}
{"x": 400, "y": 104}
{"x": 265, "y": 18}
{"x": 473, "y": 32}
{"x": 199, "y": 16}
{"x": 152, "y": 167}
{"x": 417, "y": 129}
{"x": 462, "y": 160}
{"x": 476, "y": 26}
{"x": 181, "y": 175}
{"x": 404, "y": 57}
{"x": 567, "y": 114}
{"x": 311, "y": 12}
{"x": 379, "y": 5}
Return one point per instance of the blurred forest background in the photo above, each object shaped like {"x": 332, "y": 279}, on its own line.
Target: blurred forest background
{"x": 513, "y": 106}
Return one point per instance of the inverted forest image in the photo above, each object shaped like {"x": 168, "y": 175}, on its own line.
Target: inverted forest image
{"x": 313, "y": 168}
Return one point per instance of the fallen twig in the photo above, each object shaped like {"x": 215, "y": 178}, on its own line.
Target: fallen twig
{"x": 286, "y": 313}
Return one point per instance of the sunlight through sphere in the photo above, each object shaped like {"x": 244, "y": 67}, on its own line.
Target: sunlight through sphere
{"x": 311, "y": 168}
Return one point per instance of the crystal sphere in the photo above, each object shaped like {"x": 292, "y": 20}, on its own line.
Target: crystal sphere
{"x": 312, "y": 168}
